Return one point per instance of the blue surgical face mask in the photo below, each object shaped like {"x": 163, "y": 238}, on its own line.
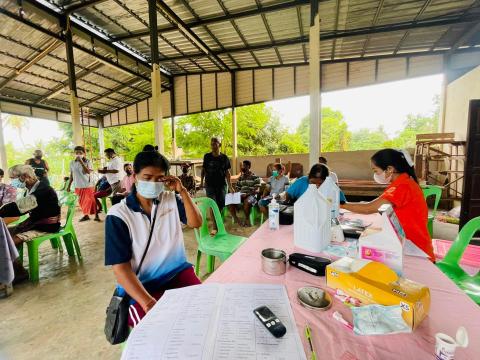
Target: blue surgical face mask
{"x": 17, "y": 183}
{"x": 150, "y": 189}
{"x": 275, "y": 173}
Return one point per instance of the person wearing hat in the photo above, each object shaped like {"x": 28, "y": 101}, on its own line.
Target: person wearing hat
{"x": 40, "y": 166}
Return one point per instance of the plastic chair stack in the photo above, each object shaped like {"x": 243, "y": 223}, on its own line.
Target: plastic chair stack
{"x": 67, "y": 232}
{"x": 220, "y": 245}
{"x": 450, "y": 265}
{"x": 432, "y": 190}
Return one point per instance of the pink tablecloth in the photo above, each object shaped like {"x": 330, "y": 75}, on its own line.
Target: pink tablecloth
{"x": 450, "y": 307}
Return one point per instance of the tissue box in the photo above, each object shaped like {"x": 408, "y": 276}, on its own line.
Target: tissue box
{"x": 375, "y": 283}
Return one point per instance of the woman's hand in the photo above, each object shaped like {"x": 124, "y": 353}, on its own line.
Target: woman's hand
{"x": 174, "y": 183}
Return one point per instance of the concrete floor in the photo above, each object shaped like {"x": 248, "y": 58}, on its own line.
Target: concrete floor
{"x": 62, "y": 317}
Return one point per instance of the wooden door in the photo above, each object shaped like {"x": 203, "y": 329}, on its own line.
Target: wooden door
{"x": 471, "y": 180}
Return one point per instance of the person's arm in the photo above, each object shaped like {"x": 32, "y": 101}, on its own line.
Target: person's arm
{"x": 70, "y": 180}
{"x": 365, "y": 208}
{"x": 19, "y": 207}
{"x": 85, "y": 168}
{"x": 228, "y": 176}
{"x": 129, "y": 281}
{"x": 47, "y": 168}
{"x": 202, "y": 174}
{"x": 194, "y": 217}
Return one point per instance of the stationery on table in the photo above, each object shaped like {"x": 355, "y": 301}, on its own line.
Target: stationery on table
{"x": 233, "y": 199}
{"x": 215, "y": 321}
{"x": 308, "y": 335}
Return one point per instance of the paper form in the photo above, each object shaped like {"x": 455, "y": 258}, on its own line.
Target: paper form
{"x": 233, "y": 198}
{"x": 215, "y": 321}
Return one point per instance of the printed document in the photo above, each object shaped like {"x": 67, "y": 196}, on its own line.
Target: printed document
{"x": 215, "y": 321}
{"x": 233, "y": 198}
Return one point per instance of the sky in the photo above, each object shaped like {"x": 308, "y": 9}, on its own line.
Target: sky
{"x": 365, "y": 107}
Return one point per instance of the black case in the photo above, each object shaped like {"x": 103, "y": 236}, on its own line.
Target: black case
{"x": 314, "y": 265}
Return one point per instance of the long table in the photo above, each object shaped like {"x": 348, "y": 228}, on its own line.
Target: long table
{"x": 450, "y": 307}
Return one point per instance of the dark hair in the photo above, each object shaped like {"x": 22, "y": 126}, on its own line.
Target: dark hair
{"x": 391, "y": 157}
{"x": 125, "y": 165}
{"x": 79, "y": 148}
{"x": 216, "y": 139}
{"x": 150, "y": 158}
{"x": 109, "y": 150}
{"x": 150, "y": 147}
{"x": 278, "y": 166}
{"x": 322, "y": 160}
{"x": 318, "y": 171}
{"x": 247, "y": 162}
{"x": 2, "y": 172}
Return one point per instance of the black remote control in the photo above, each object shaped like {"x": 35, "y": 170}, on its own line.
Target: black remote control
{"x": 270, "y": 321}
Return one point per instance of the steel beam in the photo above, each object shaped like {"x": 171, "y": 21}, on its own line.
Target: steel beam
{"x": 175, "y": 20}
{"x": 110, "y": 92}
{"x": 72, "y": 82}
{"x": 82, "y": 5}
{"x": 334, "y": 35}
{"x": 231, "y": 16}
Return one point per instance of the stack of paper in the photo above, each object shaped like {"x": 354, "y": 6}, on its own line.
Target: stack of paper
{"x": 214, "y": 321}
{"x": 233, "y": 198}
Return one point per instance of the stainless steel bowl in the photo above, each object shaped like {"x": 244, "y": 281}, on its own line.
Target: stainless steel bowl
{"x": 274, "y": 261}
{"x": 314, "y": 298}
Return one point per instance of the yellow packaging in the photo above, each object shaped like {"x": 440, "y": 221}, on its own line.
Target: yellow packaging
{"x": 375, "y": 283}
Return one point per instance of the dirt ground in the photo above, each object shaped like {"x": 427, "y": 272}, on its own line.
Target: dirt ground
{"x": 62, "y": 316}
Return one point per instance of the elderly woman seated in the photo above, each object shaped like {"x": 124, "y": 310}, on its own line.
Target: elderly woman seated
{"x": 40, "y": 202}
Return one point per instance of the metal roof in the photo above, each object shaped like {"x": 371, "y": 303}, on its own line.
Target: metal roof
{"x": 112, "y": 42}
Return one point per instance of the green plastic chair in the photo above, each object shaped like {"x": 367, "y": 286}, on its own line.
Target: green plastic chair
{"x": 450, "y": 265}
{"x": 222, "y": 244}
{"x": 67, "y": 232}
{"x": 254, "y": 214}
{"x": 432, "y": 190}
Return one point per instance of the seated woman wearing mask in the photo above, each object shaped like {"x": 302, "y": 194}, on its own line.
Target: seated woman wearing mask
{"x": 127, "y": 230}
{"x": 403, "y": 193}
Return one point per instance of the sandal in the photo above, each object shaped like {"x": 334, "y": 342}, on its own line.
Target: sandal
{"x": 85, "y": 218}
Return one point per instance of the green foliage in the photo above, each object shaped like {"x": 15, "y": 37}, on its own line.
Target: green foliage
{"x": 335, "y": 133}
{"x": 368, "y": 139}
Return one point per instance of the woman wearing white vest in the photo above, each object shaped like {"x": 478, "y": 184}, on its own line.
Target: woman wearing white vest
{"x": 127, "y": 229}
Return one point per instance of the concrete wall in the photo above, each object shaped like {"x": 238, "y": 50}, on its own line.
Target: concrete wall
{"x": 459, "y": 94}
{"x": 347, "y": 165}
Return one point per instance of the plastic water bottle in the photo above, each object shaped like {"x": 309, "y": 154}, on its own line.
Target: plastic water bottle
{"x": 274, "y": 214}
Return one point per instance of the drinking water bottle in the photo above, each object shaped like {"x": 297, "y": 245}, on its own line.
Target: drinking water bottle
{"x": 274, "y": 214}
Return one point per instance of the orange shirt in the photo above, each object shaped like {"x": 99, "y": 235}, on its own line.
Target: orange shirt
{"x": 407, "y": 200}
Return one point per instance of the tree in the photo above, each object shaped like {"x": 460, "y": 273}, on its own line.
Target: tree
{"x": 335, "y": 133}
{"x": 18, "y": 123}
{"x": 368, "y": 139}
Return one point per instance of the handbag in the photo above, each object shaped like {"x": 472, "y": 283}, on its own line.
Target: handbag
{"x": 116, "y": 322}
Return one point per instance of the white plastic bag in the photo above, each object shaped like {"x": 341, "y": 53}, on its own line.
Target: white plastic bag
{"x": 311, "y": 221}
{"x": 331, "y": 192}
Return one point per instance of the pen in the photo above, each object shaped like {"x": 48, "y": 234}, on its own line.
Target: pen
{"x": 308, "y": 335}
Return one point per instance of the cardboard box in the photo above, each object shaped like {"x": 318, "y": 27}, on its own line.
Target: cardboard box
{"x": 384, "y": 245}
{"x": 374, "y": 283}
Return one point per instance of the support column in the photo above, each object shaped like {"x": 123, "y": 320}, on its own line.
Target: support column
{"x": 101, "y": 142}
{"x": 3, "y": 150}
{"x": 74, "y": 107}
{"x": 443, "y": 104}
{"x": 314, "y": 69}
{"x": 174, "y": 140}
{"x": 234, "y": 141}
{"x": 156, "y": 77}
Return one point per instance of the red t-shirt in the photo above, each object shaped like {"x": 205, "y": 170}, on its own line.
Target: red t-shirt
{"x": 407, "y": 200}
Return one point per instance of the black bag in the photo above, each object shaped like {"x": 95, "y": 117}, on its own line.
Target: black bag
{"x": 116, "y": 322}
{"x": 286, "y": 215}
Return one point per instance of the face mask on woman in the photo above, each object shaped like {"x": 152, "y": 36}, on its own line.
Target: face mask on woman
{"x": 150, "y": 189}
{"x": 275, "y": 173}
{"x": 382, "y": 179}
{"x": 17, "y": 183}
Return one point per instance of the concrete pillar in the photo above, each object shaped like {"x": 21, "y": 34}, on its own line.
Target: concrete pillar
{"x": 234, "y": 141}
{"x": 76, "y": 124}
{"x": 3, "y": 150}
{"x": 157, "y": 107}
{"x": 101, "y": 142}
{"x": 443, "y": 104}
{"x": 314, "y": 69}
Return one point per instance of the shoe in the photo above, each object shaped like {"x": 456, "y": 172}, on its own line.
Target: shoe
{"x": 97, "y": 219}
{"x": 85, "y": 218}
{"x": 21, "y": 274}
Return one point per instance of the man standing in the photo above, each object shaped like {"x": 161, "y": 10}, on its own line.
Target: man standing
{"x": 40, "y": 166}
{"x": 216, "y": 173}
{"x": 113, "y": 171}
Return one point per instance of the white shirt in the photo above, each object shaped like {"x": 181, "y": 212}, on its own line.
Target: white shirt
{"x": 115, "y": 164}
{"x": 80, "y": 180}
{"x": 334, "y": 177}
